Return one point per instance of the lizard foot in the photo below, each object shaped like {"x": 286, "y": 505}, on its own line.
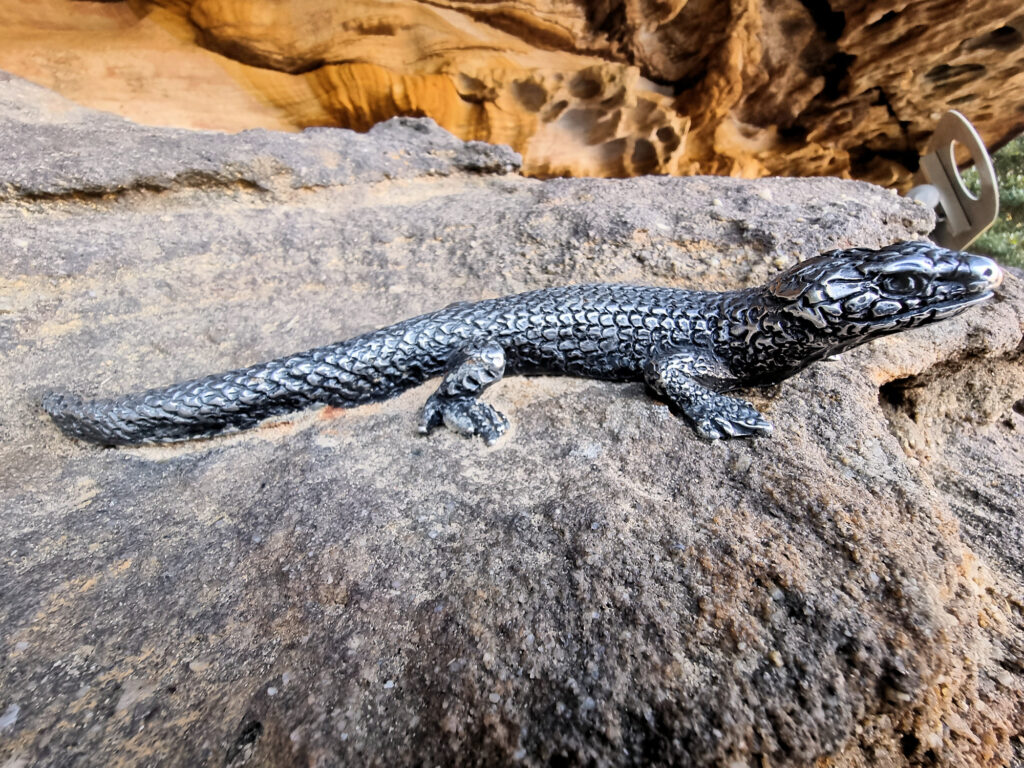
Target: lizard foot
{"x": 455, "y": 403}
{"x": 721, "y": 416}
{"x": 688, "y": 378}
{"x": 465, "y": 415}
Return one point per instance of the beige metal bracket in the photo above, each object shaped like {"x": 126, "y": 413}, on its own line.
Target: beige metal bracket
{"x": 961, "y": 217}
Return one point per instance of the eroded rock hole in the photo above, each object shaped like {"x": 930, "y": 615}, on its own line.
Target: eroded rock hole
{"x": 474, "y": 90}
{"x": 592, "y": 124}
{"x": 584, "y": 86}
{"x": 531, "y": 95}
{"x": 887, "y": 17}
{"x": 241, "y": 748}
{"x": 894, "y": 395}
{"x": 831, "y": 23}
{"x": 1003, "y": 39}
{"x": 909, "y": 743}
{"x": 668, "y": 136}
{"x": 835, "y": 71}
{"x": 911, "y": 34}
{"x": 645, "y": 157}
{"x": 944, "y": 73}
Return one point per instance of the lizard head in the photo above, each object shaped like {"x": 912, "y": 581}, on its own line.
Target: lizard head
{"x": 854, "y": 295}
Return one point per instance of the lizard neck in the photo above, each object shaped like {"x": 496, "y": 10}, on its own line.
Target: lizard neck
{"x": 764, "y": 344}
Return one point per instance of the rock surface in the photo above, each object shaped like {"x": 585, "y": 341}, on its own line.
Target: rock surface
{"x": 600, "y": 588}
{"x": 617, "y": 88}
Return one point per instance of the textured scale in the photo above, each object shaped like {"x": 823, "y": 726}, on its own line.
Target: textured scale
{"x": 688, "y": 345}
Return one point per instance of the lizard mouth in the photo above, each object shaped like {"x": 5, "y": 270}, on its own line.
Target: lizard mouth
{"x": 963, "y": 302}
{"x": 978, "y": 299}
{"x": 942, "y": 309}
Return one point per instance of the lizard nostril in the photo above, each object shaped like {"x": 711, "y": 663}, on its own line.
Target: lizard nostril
{"x": 986, "y": 271}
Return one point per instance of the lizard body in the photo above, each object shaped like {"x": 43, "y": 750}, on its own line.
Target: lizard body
{"x": 688, "y": 346}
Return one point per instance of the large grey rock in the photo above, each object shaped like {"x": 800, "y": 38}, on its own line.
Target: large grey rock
{"x": 601, "y": 588}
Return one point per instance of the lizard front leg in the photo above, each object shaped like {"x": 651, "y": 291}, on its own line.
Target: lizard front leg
{"x": 687, "y": 379}
{"x": 455, "y": 403}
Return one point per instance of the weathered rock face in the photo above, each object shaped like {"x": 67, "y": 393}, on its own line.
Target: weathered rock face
{"x": 602, "y": 587}
{"x": 743, "y": 88}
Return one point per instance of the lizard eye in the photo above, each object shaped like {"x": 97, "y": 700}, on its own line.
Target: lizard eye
{"x": 901, "y": 284}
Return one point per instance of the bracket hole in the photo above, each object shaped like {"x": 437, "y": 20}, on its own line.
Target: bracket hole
{"x": 956, "y": 152}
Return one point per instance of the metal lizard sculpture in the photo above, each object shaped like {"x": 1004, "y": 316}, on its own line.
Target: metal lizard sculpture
{"x": 688, "y": 346}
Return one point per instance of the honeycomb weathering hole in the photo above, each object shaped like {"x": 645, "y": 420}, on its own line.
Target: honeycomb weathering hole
{"x": 584, "y": 86}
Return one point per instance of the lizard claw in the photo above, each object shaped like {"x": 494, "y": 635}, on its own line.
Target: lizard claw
{"x": 728, "y": 417}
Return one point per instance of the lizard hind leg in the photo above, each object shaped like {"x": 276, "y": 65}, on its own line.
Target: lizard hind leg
{"x": 686, "y": 378}
{"x": 456, "y": 402}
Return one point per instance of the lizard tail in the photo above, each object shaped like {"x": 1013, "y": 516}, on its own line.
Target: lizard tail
{"x": 193, "y": 409}
{"x": 346, "y": 374}
{"x": 152, "y": 417}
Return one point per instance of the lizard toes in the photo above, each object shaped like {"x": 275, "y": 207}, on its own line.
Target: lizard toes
{"x": 709, "y": 429}
{"x": 489, "y": 422}
{"x": 432, "y": 415}
{"x": 472, "y": 417}
{"x": 732, "y": 418}
{"x": 745, "y": 427}
{"x": 465, "y": 415}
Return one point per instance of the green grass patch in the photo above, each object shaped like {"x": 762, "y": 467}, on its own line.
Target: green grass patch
{"x": 1005, "y": 240}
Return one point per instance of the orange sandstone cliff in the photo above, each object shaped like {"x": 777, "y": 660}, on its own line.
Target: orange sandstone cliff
{"x": 749, "y": 88}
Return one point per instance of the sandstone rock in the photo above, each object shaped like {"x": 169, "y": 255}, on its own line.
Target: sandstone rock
{"x": 745, "y": 88}
{"x": 602, "y": 587}
{"x": 147, "y": 68}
